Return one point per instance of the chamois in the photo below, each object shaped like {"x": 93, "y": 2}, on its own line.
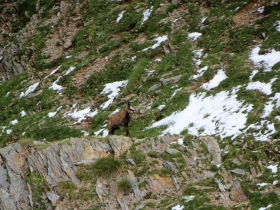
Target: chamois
{"x": 120, "y": 118}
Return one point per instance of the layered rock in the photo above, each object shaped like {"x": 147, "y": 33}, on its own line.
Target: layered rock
{"x": 55, "y": 163}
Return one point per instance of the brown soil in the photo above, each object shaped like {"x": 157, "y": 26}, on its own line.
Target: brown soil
{"x": 248, "y": 14}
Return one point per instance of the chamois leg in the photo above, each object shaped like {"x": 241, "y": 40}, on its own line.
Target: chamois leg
{"x": 127, "y": 132}
{"x": 110, "y": 131}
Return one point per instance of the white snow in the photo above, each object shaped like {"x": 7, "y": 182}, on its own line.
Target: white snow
{"x": 268, "y": 108}
{"x": 81, "y": 114}
{"x": 200, "y": 72}
{"x": 253, "y": 74}
{"x": 277, "y": 24}
{"x": 273, "y": 168}
{"x": 194, "y": 36}
{"x": 262, "y": 184}
{"x": 9, "y": 131}
{"x": 14, "y": 122}
{"x": 197, "y": 55}
{"x": 52, "y": 114}
{"x": 188, "y": 198}
{"x": 275, "y": 182}
{"x": 23, "y": 113}
{"x": 55, "y": 86}
{"x": 260, "y": 9}
{"x": 178, "y": 207}
{"x": 175, "y": 92}
{"x": 203, "y": 20}
{"x": 262, "y": 87}
{"x": 53, "y": 72}
{"x": 120, "y": 16}
{"x": 146, "y": 14}
{"x": 260, "y": 135}
{"x": 69, "y": 70}
{"x": 31, "y": 89}
{"x": 265, "y": 208}
{"x": 161, "y": 107}
{"x": 219, "y": 77}
{"x": 267, "y": 60}
{"x": 221, "y": 114}
{"x": 159, "y": 40}
{"x": 112, "y": 90}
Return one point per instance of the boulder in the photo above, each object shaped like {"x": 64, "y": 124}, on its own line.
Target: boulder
{"x": 236, "y": 193}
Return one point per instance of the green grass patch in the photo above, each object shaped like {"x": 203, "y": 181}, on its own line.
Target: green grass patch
{"x": 105, "y": 167}
{"x": 67, "y": 189}
{"x": 135, "y": 78}
{"x": 38, "y": 187}
{"x": 124, "y": 186}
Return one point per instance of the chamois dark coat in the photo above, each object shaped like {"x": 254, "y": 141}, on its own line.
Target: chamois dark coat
{"x": 120, "y": 118}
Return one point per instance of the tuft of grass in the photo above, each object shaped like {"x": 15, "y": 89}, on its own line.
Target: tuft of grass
{"x": 134, "y": 79}
{"x": 124, "y": 186}
{"x": 39, "y": 187}
{"x": 67, "y": 189}
{"x": 106, "y": 166}
{"x": 138, "y": 156}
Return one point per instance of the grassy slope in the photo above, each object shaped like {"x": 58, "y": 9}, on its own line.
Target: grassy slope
{"x": 229, "y": 50}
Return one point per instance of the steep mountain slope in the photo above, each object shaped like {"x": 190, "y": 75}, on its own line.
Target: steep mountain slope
{"x": 196, "y": 69}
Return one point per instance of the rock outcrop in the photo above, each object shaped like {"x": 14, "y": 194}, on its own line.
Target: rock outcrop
{"x": 55, "y": 163}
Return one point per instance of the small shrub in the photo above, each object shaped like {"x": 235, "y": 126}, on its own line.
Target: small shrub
{"x": 106, "y": 167}
{"x": 39, "y": 187}
{"x": 171, "y": 7}
{"x": 125, "y": 186}
{"x": 66, "y": 188}
{"x": 134, "y": 80}
{"x": 138, "y": 156}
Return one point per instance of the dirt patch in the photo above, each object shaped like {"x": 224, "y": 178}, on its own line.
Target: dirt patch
{"x": 249, "y": 13}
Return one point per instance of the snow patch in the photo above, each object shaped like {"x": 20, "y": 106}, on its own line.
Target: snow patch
{"x": 159, "y": 40}
{"x": 81, "y": 114}
{"x": 71, "y": 69}
{"x": 120, "y": 16}
{"x": 194, "y": 36}
{"x": 112, "y": 90}
{"x": 267, "y": 60}
{"x": 221, "y": 114}
{"x": 31, "y": 89}
{"x": 14, "y": 122}
{"x": 146, "y": 14}
{"x": 178, "y": 207}
{"x": 219, "y": 77}
{"x": 53, "y": 72}
{"x": 273, "y": 168}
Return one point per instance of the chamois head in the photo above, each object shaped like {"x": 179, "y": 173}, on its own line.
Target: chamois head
{"x": 130, "y": 109}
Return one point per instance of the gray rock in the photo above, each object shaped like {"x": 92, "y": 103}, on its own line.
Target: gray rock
{"x": 139, "y": 207}
{"x": 176, "y": 182}
{"x": 133, "y": 181}
{"x": 3, "y": 178}
{"x": 154, "y": 87}
{"x": 170, "y": 166}
{"x": 236, "y": 193}
{"x": 119, "y": 144}
{"x": 213, "y": 148}
{"x": 171, "y": 80}
{"x": 123, "y": 206}
{"x": 53, "y": 197}
{"x": 238, "y": 171}
{"x": 131, "y": 161}
{"x": 171, "y": 151}
{"x": 7, "y": 202}
{"x": 67, "y": 44}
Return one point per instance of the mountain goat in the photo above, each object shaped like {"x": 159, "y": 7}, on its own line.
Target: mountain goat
{"x": 120, "y": 118}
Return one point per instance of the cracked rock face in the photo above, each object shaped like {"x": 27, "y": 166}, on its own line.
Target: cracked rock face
{"x": 55, "y": 163}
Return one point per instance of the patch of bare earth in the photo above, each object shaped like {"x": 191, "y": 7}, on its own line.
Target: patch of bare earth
{"x": 249, "y": 13}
